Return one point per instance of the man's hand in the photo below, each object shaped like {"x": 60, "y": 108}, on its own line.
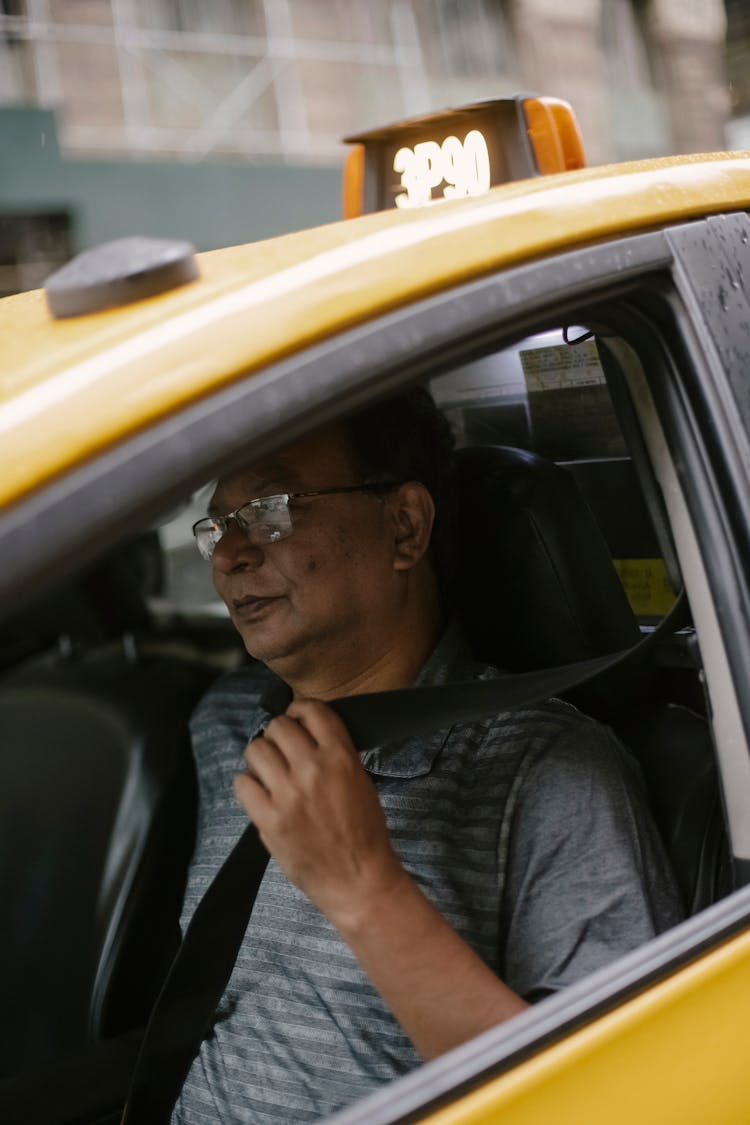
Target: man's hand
{"x": 318, "y": 813}
{"x": 319, "y": 816}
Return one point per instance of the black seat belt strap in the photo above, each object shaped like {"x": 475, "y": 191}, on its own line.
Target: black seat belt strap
{"x": 185, "y": 1007}
{"x": 382, "y": 717}
{"x": 184, "y": 1010}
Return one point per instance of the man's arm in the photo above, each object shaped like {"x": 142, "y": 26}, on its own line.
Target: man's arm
{"x": 587, "y": 877}
{"x": 319, "y": 816}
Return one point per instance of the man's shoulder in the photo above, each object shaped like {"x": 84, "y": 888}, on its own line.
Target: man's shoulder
{"x": 550, "y": 737}
{"x": 564, "y": 749}
{"x": 541, "y": 724}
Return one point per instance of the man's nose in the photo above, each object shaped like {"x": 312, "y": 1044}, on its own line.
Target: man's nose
{"x": 234, "y": 551}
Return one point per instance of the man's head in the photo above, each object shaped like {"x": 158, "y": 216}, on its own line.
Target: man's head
{"x": 339, "y": 575}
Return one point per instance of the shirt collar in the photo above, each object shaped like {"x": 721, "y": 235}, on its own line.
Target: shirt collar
{"x": 450, "y": 660}
{"x": 414, "y": 757}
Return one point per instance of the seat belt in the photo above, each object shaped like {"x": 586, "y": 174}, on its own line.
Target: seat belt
{"x": 184, "y": 1010}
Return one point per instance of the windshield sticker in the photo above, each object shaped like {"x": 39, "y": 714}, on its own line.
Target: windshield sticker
{"x": 570, "y": 411}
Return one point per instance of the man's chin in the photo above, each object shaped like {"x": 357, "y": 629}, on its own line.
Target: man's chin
{"x": 269, "y": 641}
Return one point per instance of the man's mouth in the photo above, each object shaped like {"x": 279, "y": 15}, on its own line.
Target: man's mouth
{"x": 251, "y": 607}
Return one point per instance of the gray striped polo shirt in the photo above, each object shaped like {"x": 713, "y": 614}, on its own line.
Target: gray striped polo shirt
{"x": 529, "y": 832}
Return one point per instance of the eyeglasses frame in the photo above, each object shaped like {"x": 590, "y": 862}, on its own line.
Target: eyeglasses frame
{"x": 384, "y": 486}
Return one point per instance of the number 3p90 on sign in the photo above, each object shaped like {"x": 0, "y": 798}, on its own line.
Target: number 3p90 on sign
{"x": 464, "y": 168}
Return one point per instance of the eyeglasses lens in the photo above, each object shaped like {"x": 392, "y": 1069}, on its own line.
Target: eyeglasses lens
{"x": 207, "y": 534}
{"x": 266, "y": 520}
{"x": 263, "y": 521}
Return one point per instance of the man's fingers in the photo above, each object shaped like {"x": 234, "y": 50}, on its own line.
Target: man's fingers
{"x": 252, "y": 796}
{"x": 323, "y": 724}
{"x": 291, "y": 739}
{"x": 288, "y": 761}
{"x": 265, "y": 762}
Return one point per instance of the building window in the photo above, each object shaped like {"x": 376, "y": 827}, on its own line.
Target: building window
{"x": 32, "y": 246}
{"x": 637, "y": 111}
{"x": 466, "y": 38}
{"x": 738, "y": 72}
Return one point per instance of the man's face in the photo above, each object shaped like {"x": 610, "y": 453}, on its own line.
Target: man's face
{"x": 331, "y": 579}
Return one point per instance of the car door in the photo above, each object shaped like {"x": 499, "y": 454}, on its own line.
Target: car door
{"x": 630, "y": 1039}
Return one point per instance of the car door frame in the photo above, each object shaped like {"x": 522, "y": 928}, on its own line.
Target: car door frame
{"x": 139, "y": 478}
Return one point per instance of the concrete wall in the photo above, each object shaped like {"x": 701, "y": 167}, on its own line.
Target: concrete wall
{"x": 684, "y": 107}
{"x": 211, "y": 204}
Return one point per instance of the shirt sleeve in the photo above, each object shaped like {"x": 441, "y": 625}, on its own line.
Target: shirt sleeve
{"x": 587, "y": 877}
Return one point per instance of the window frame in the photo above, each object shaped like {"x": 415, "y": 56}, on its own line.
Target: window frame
{"x": 138, "y": 480}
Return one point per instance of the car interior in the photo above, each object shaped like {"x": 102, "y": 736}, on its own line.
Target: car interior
{"x": 571, "y": 558}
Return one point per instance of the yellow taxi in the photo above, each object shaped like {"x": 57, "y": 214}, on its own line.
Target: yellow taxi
{"x": 587, "y": 333}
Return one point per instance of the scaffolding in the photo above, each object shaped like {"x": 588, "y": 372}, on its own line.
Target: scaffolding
{"x": 260, "y": 79}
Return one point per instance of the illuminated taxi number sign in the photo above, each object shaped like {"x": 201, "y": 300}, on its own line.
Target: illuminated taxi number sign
{"x": 462, "y": 166}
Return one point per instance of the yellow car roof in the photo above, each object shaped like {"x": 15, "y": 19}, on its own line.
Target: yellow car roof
{"x": 69, "y": 388}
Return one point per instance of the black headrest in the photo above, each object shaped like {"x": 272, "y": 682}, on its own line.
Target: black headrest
{"x": 100, "y": 603}
{"x": 536, "y": 584}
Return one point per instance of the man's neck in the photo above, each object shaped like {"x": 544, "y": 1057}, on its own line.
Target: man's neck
{"x": 392, "y": 661}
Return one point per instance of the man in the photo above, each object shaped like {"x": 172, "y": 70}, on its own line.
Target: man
{"x": 420, "y": 893}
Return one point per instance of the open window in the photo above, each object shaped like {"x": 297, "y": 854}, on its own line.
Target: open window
{"x": 579, "y": 507}
{"x": 549, "y": 394}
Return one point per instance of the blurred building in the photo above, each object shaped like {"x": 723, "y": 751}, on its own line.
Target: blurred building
{"x": 738, "y": 72}
{"x": 221, "y": 121}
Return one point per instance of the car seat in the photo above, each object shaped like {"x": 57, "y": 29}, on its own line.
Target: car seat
{"x": 536, "y": 587}
{"x": 97, "y": 813}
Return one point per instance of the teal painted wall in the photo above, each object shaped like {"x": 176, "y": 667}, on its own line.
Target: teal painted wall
{"x": 210, "y": 204}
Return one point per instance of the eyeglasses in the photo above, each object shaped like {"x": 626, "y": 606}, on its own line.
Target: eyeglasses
{"x": 267, "y": 519}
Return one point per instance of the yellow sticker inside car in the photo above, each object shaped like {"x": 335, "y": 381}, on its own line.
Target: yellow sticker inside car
{"x": 646, "y": 585}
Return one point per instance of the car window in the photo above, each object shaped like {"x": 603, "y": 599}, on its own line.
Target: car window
{"x": 186, "y": 586}
{"x": 549, "y": 394}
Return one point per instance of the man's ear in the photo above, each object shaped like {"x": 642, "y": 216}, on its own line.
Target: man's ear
{"x": 413, "y": 514}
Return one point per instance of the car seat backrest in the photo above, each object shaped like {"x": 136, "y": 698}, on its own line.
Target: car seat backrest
{"x": 97, "y": 813}
{"x": 674, "y": 748}
{"x": 536, "y": 584}
{"x": 104, "y": 601}
{"x": 537, "y": 587}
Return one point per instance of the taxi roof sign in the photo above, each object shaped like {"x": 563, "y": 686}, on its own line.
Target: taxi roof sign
{"x": 459, "y": 152}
